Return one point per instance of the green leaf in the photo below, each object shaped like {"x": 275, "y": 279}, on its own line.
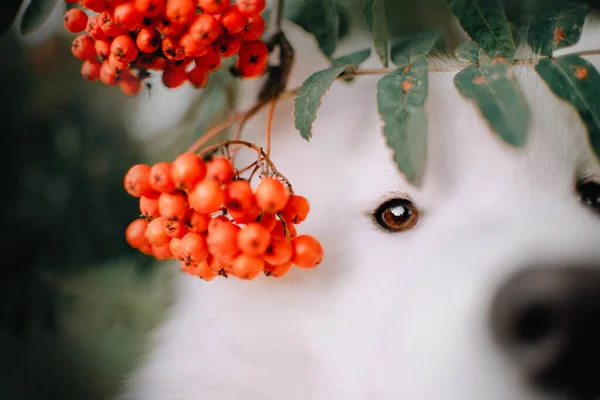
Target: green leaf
{"x": 375, "y": 15}
{"x": 354, "y": 59}
{"x": 37, "y": 12}
{"x": 368, "y": 13}
{"x": 499, "y": 98}
{"x": 308, "y": 99}
{"x": 557, "y": 26}
{"x": 8, "y": 12}
{"x": 401, "y": 96}
{"x": 485, "y": 22}
{"x": 576, "y": 81}
{"x": 321, "y": 18}
{"x": 468, "y": 52}
{"x": 406, "y": 49}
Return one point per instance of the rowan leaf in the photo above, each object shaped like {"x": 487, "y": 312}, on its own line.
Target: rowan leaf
{"x": 321, "y": 18}
{"x": 486, "y": 24}
{"x": 556, "y": 26}
{"x": 576, "y": 81}
{"x": 308, "y": 98}
{"x": 401, "y": 97}
{"x": 468, "y": 52}
{"x": 354, "y": 59}
{"x": 497, "y": 94}
{"x": 36, "y": 13}
{"x": 407, "y": 49}
{"x": 8, "y": 12}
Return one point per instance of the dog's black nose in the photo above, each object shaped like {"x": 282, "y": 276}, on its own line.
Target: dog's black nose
{"x": 548, "y": 321}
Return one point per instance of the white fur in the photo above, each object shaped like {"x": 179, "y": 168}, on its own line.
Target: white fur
{"x": 386, "y": 316}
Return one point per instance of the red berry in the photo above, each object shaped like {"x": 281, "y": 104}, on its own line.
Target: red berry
{"x": 233, "y": 20}
{"x": 156, "y": 233}
{"x": 148, "y": 40}
{"x": 109, "y": 25}
{"x": 277, "y": 271}
{"x": 198, "y": 77}
{"x": 130, "y": 84}
{"x": 254, "y": 28}
{"x": 149, "y": 207}
{"x": 249, "y": 71}
{"x": 197, "y": 222}
{"x": 108, "y": 74}
{"x": 90, "y": 70}
{"x": 251, "y": 6}
{"x": 75, "y": 20}
{"x": 151, "y": 62}
{"x": 127, "y": 16}
{"x": 220, "y": 169}
{"x": 162, "y": 253}
{"x": 207, "y": 197}
{"x": 172, "y": 49}
{"x": 254, "y": 52}
{"x": 160, "y": 177}
{"x": 228, "y": 45}
{"x": 192, "y": 47}
{"x": 83, "y": 47}
{"x": 103, "y": 48}
{"x": 150, "y": 8}
{"x": 95, "y": 5}
{"x": 117, "y": 65}
{"x": 187, "y": 170}
{"x": 211, "y": 61}
{"x": 137, "y": 181}
{"x": 193, "y": 248}
{"x": 135, "y": 233}
{"x": 296, "y": 210}
{"x": 222, "y": 240}
{"x": 171, "y": 29}
{"x": 174, "y": 77}
{"x": 253, "y": 239}
{"x": 239, "y": 196}
{"x": 180, "y": 11}
{"x": 279, "y": 251}
{"x": 175, "y": 228}
{"x": 247, "y": 267}
{"x": 308, "y": 252}
{"x": 271, "y": 195}
{"x": 123, "y": 48}
{"x": 205, "y": 29}
{"x": 213, "y": 6}
{"x": 173, "y": 206}
{"x": 93, "y": 28}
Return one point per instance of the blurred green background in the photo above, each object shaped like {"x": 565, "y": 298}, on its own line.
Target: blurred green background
{"x": 77, "y": 305}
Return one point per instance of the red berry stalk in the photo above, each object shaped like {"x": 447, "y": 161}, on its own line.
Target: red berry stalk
{"x": 207, "y": 216}
{"x": 123, "y": 40}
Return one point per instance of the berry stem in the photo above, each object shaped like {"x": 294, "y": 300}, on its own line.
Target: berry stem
{"x": 270, "y": 126}
{"x": 214, "y": 132}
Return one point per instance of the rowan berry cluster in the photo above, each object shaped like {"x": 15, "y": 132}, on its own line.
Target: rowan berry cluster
{"x": 184, "y": 39}
{"x": 211, "y": 220}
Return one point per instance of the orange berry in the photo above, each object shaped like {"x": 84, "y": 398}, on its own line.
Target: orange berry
{"x": 253, "y": 239}
{"x": 271, "y": 195}
{"x": 103, "y": 48}
{"x": 210, "y": 61}
{"x": 207, "y": 197}
{"x": 109, "y": 26}
{"x": 218, "y": 266}
{"x": 251, "y": 6}
{"x": 238, "y": 195}
{"x": 137, "y": 181}
{"x": 288, "y": 231}
{"x": 175, "y": 247}
{"x": 245, "y": 216}
{"x": 95, "y": 5}
{"x": 222, "y": 240}
{"x": 247, "y": 267}
{"x": 279, "y": 251}
{"x": 197, "y": 222}
{"x": 254, "y": 52}
{"x": 135, "y": 234}
{"x": 188, "y": 269}
{"x": 148, "y": 40}
{"x": 249, "y": 71}
{"x": 203, "y": 271}
{"x": 212, "y": 224}
{"x": 75, "y": 20}
{"x": 213, "y": 6}
{"x": 198, "y": 77}
{"x": 296, "y": 210}
{"x": 255, "y": 27}
{"x": 162, "y": 253}
{"x": 160, "y": 177}
{"x": 117, "y": 65}
{"x": 268, "y": 221}
{"x": 123, "y": 48}
{"x": 174, "y": 228}
{"x": 205, "y": 29}
{"x": 220, "y": 169}
{"x": 90, "y": 70}
{"x": 171, "y": 29}
{"x": 277, "y": 271}
{"x": 193, "y": 248}
{"x": 83, "y": 48}
{"x": 227, "y": 45}
{"x": 173, "y": 205}
{"x": 174, "y": 77}
{"x": 308, "y": 252}
{"x": 156, "y": 233}
{"x": 130, "y": 85}
{"x": 108, "y": 74}
{"x": 172, "y": 49}
{"x": 192, "y": 47}
{"x": 187, "y": 170}
{"x": 127, "y": 16}
{"x": 180, "y": 11}
{"x": 233, "y": 20}
{"x": 94, "y": 29}
{"x": 149, "y": 207}
{"x": 150, "y": 8}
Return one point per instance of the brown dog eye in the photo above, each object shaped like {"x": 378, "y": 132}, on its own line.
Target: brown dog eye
{"x": 589, "y": 195}
{"x": 397, "y": 215}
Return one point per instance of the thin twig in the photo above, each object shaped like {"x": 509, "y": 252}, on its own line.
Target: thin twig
{"x": 270, "y": 126}
{"x": 214, "y": 132}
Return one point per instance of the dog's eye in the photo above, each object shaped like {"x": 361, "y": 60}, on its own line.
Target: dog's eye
{"x": 397, "y": 215}
{"x": 589, "y": 194}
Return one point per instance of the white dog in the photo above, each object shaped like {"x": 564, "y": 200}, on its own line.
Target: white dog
{"x": 436, "y": 312}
